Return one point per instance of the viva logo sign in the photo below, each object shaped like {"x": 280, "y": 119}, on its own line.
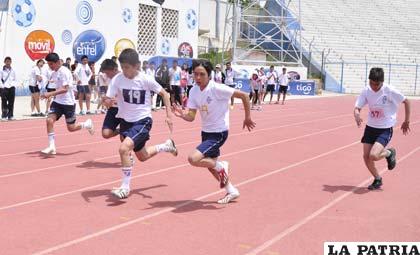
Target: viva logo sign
{"x": 90, "y": 43}
{"x": 38, "y": 44}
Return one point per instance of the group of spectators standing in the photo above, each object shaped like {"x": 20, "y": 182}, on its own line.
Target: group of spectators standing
{"x": 89, "y": 85}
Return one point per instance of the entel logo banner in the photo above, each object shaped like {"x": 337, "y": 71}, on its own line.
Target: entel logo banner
{"x": 90, "y": 43}
{"x": 38, "y": 44}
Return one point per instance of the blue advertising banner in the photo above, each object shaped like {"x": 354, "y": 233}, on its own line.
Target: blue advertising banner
{"x": 304, "y": 88}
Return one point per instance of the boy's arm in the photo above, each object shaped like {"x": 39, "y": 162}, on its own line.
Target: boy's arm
{"x": 167, "y": 103}
{"x": 59, "y": 91}
{"x": 406, "y": 124}
{"x": 357, "y": 118}
{"x": 245, "y": 101}
{"x": 189, "y": 116}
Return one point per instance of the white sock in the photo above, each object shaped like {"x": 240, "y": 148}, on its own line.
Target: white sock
{"x": 126, "y": 177}
{"x": 230, "y": 188}
{"x": 51, "y": 139}
{"x": 219, "y": 166}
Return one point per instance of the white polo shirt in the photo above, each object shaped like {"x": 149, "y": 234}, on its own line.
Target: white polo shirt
{"x": 83, "y": 73}
{"x": 175, "y": 76}
{"x": 36, "y": 71}
{"x": 133, "y": 95}
{"x": 213, "y": 104}
{"x": 383, "y": 105}
{"x": 271, "y": 77}
{"x": 284, "y": 79}
{"x": 230, "y": 76}
{"x": 9, "y": 78}
{"x": 63, "y": 77}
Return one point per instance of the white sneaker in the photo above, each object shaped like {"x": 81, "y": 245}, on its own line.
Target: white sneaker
{"x": 3, "y": 119}
{"x": 228, "y": 198}
{"x": 50, "y": 150}
{"x": 172, "y": 148}
{"x": 89, "y": 126}
{"x": 120, "y": 192}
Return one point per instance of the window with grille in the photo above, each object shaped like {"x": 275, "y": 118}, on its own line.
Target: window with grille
{"x": 170, "y": 23}
{"x": 147, "y": 30}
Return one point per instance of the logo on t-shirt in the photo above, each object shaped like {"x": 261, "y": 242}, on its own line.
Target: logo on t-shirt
{"x": 384, "y": 99}
{"x": 209, "y": 100}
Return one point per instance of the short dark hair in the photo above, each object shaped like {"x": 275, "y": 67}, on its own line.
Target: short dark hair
{"x": 91, "y": 63}
{"x": 204, "y": 63}
{"x": 164, "y": 60}
{"x": 228, "y": 63}
{"x": 271, "y": 66}
{"x": 376, "y": 74}
{"x": 84, "y": 57}
{"x": 7, "y": 58}
{"x": 108, "y": 64}
{"x": 39, "y": 61}
{"x": 129, "y": 56}
{"x": 68, "y": 58}
{"x": 52, "y": 57}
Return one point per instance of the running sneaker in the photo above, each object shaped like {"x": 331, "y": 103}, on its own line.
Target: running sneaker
{"x": 228, "y": 198}
{"x": 376, "y": 184}
{"x": 120, "y": 192}
{"x": 50, "y": 150}
{"x": 391, "y": 159}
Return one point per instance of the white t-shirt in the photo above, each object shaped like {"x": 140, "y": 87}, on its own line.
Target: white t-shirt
{"x": 213, "y": 104}
{"x": 9, "y": 77}
{"x": 229, "y": 77}
{"x": 218, "y": 77}
{"x": 133, "y": 96}
{"x": 271, "y": 77}
{"x": 63, "y": 77}
{"x": 103, "y": 79}
{"x": 36, "y": 71}
{"x": 383, "y": 105}
{"x": 83, "y": 73}
{"x": 175, "y": 76}
{"x": 284, "y": 79}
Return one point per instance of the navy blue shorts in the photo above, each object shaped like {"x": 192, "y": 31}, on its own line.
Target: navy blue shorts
{"x": 271, "y": 87}
{"x": 138, "y": 131}
{"x": 83, "y": 89}
{"x": 211, "y": 143}
{"x": 103, "y": 89}
{"x": 69, "y": 112}
{"x": 283, "y": 89}
{"x": 34, "y": 89}
{"x": 380, "y": 135}
{"x": 111, "y": 121}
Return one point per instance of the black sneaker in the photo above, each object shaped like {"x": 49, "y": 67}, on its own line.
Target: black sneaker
{"x": 391, "y": 160}
{"x": 376, "y": 184}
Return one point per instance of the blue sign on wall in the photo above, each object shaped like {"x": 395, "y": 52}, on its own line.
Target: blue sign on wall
{"x": 90, "y": 43}
{"x": 304, "y": 88}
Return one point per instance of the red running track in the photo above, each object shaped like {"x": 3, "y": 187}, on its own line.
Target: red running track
{"x": 300, "y": 173}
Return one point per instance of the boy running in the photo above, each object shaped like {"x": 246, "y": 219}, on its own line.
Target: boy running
{"x": 63, "y": 103}
{"x": 132, "y": 91}
{"x": 212, "y": 100}
{"x": 383, "y": 102}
